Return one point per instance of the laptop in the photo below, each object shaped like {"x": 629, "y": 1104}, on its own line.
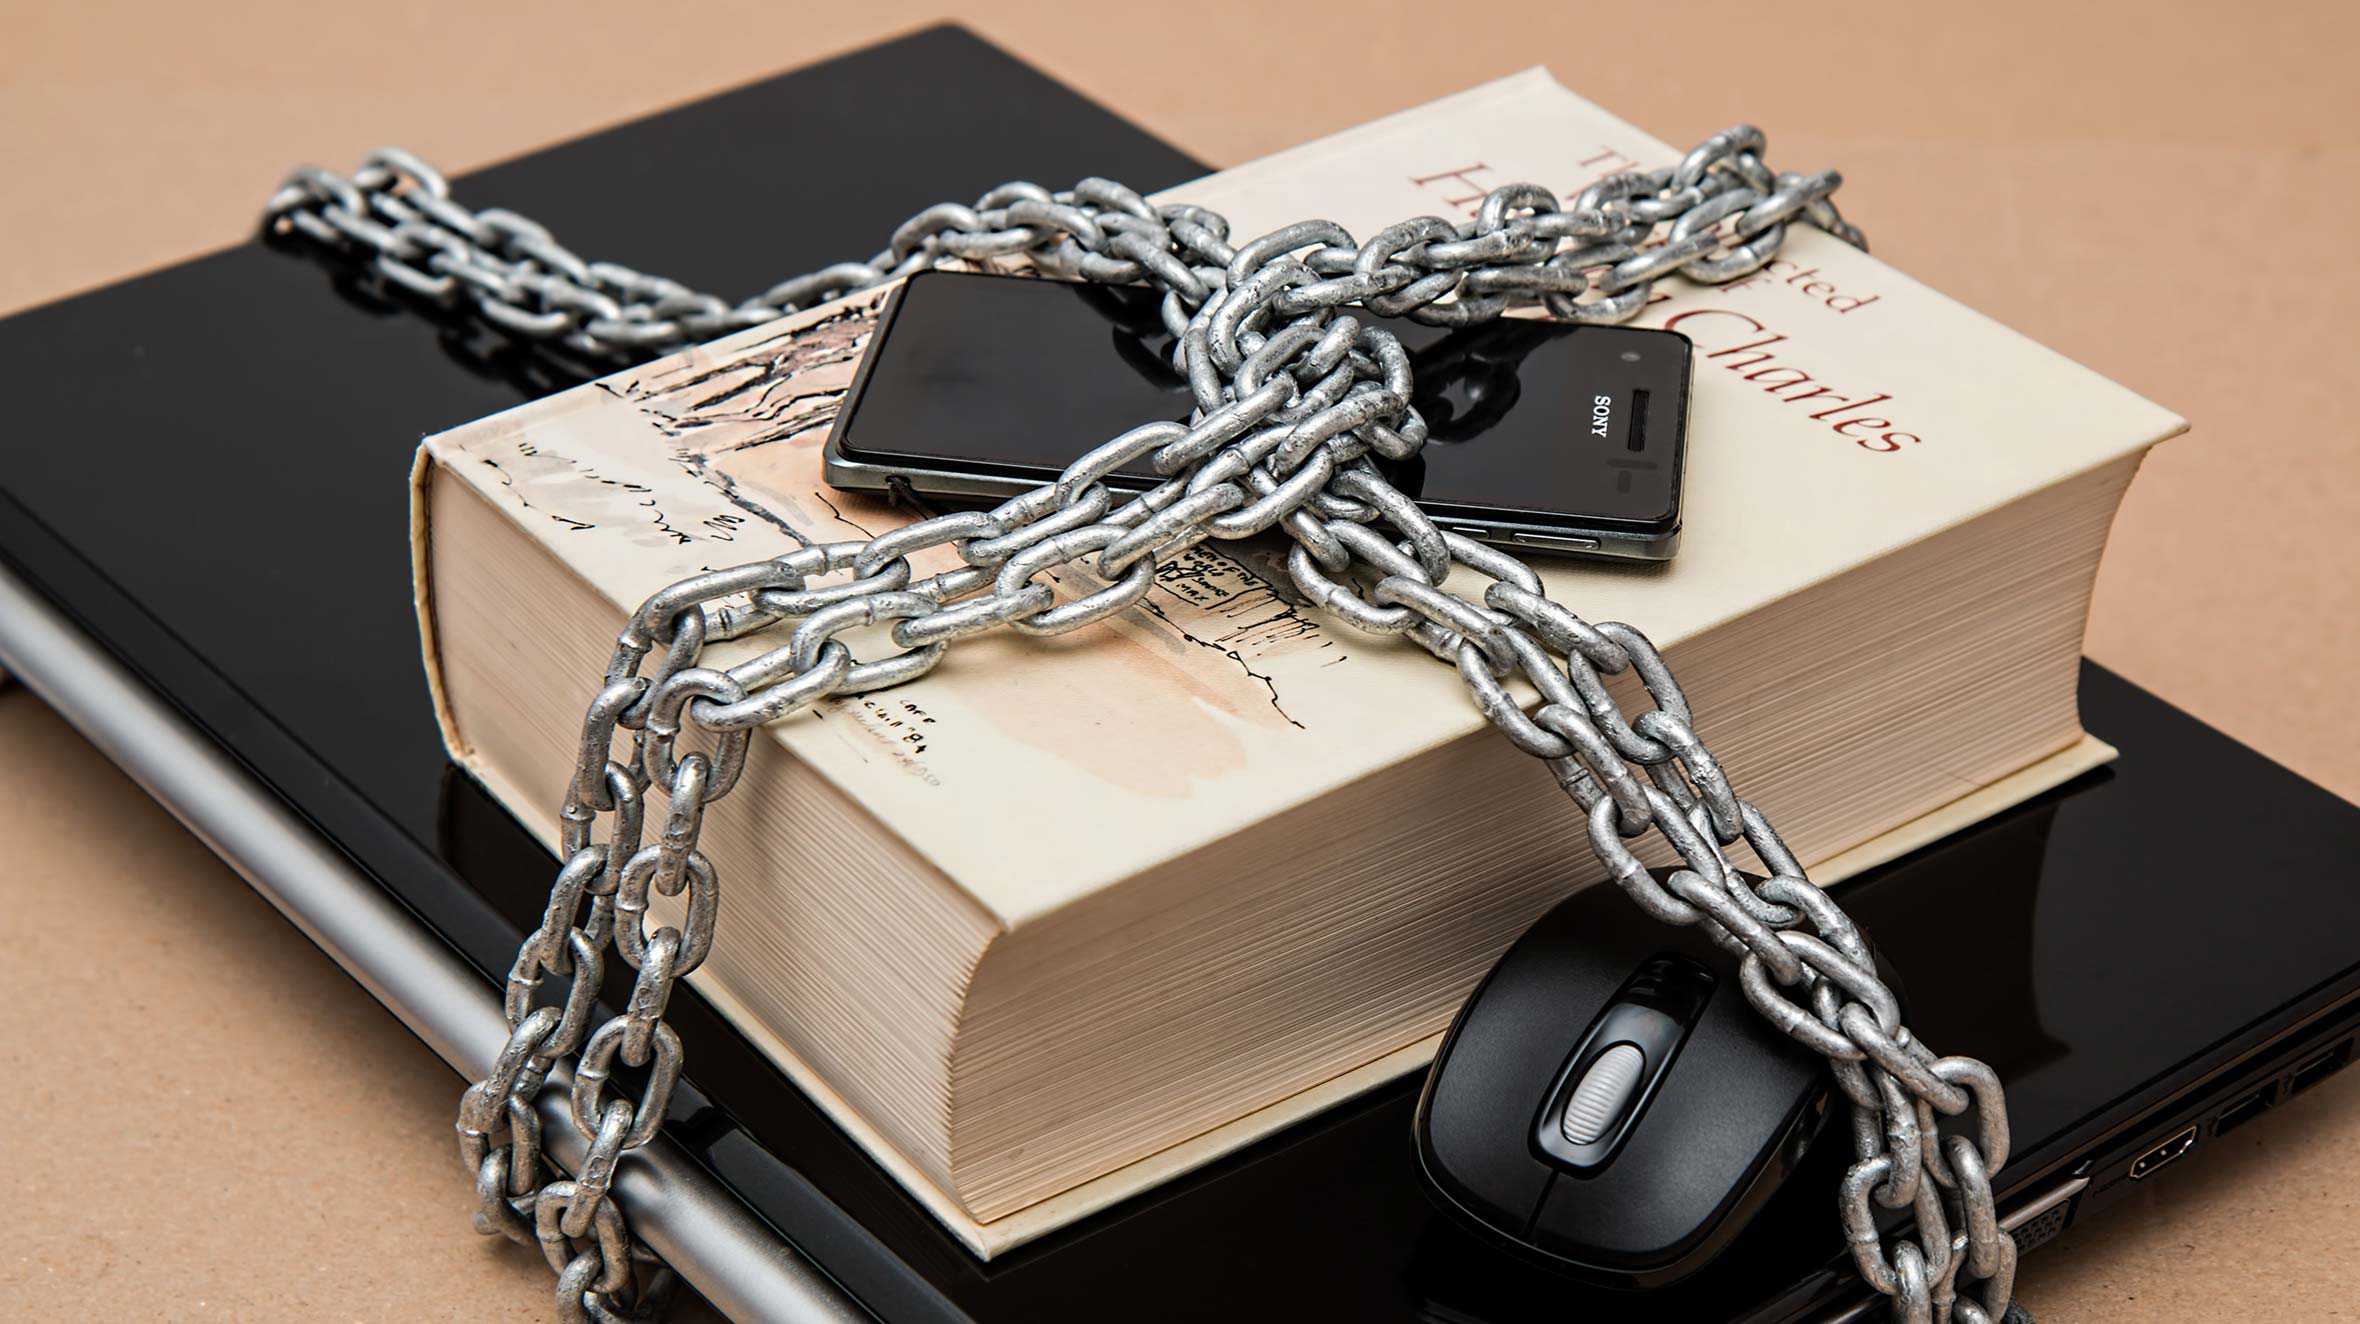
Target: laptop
{"x": 2144, "y": 982}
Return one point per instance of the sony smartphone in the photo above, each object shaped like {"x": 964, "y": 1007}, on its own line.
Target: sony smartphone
{"x": 1544, "y": 436}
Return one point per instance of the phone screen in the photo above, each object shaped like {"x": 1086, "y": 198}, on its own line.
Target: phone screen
{"x": 1533, "y": 422}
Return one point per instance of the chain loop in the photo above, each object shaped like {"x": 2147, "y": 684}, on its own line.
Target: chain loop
{"x": 1293, "y": 390}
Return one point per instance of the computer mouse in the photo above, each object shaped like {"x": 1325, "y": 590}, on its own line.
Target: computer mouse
{"x": 1608, "y": 1101}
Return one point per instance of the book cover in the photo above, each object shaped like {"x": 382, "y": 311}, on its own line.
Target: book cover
{"x": 1841, "y": 413}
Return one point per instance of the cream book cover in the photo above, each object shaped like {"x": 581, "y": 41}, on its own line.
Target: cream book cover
{"x": 1842, "y": 414}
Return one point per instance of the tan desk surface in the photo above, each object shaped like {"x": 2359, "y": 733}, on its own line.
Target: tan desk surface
{"x": 202, "y": 1118}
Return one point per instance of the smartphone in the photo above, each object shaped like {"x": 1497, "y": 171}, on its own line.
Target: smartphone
{"x": 1544, "y": 436}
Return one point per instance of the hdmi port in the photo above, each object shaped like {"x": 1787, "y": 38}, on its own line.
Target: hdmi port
{"x": 2165, "y": 1153}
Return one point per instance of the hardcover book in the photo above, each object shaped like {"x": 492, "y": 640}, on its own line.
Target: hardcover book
{"x": 1067, "y": 917}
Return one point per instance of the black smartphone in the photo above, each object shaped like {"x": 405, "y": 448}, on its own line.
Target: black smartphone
{"x": 1544, "y": 436}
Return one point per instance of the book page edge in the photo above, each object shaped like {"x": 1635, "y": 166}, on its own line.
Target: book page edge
{"x": 423, "y": 463}
{"x": 422, "y": 602}
{"x": 987, "y": 1240}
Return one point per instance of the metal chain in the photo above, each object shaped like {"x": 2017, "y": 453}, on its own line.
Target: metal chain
{"x": 1294, "y": 393}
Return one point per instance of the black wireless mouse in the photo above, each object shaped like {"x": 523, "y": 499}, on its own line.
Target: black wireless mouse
{"x": 1610, "y": 1103}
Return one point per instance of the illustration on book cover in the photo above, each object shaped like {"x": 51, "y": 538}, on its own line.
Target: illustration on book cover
{"x": 717, "y": 462}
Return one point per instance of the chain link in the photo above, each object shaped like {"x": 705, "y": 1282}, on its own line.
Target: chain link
{"x": 1294, "y": 392}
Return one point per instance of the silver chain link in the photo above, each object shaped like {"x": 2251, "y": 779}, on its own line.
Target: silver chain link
{"x": 1294, "y": 393}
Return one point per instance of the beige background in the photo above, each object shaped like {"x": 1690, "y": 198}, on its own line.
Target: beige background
{"x": 202, "y": 1118}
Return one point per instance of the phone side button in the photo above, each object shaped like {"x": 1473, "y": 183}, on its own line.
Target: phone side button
{"x": 1554, "y": 542}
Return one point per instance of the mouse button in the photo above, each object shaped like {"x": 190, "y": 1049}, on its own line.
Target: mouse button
{"x": 1505, "y": 1052}
{"x": 1477, "y": 1103}
{"x": 1492, "y": 1186}
{"x": 1748, "y": 1062}
{"x": 1732, "y": 1095}
{"x": 1715, "y": 1120}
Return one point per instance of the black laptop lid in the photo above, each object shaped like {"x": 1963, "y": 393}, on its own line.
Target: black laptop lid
{"x": 206, "y": 467}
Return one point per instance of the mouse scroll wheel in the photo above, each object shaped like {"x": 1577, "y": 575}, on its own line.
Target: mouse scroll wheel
{"x": 1604, "y": 1093}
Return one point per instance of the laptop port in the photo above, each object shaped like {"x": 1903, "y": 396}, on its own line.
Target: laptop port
{"x": 2239, "y": 1113}
{"x": 2320, "y": 1068}
{"x": 2165, "y": 1153}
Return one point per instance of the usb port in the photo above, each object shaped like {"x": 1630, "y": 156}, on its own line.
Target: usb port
{"x": 2163, "y": 1154}
{"x": 2244, "y": 1110}
{"x": 2320, "y": 1068}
